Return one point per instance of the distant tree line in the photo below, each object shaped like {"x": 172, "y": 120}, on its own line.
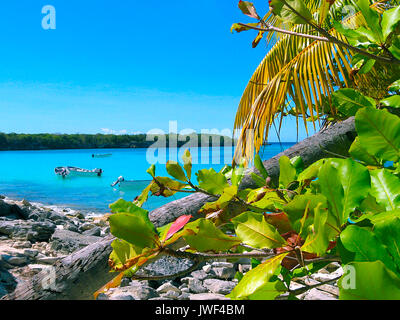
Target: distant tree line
{"x": 14, "y": 141}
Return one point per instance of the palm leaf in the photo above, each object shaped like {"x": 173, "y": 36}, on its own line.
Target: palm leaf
{"x": 299, "y": 74}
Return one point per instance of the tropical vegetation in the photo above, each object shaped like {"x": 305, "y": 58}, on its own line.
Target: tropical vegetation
{"x": 325, "y": 66}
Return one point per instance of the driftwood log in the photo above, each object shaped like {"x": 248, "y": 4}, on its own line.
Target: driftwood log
{"x": 82, "y": 273}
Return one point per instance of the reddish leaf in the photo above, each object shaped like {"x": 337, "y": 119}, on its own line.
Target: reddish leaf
{"x": 177, "y": 225}
{"x": 280, "y": 221}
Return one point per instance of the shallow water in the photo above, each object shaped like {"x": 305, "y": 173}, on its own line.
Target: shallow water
{"x": 30, "y": 174}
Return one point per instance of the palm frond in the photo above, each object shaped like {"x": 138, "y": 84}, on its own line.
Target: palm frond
{"x": 298, "y": 73}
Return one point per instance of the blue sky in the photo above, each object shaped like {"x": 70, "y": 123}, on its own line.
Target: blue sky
{"x": 124, "y": 66}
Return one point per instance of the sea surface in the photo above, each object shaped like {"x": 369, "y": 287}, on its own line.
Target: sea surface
{"x": 30, "y": 174}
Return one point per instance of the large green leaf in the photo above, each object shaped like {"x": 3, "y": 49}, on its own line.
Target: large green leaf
{"x": 269, "y": 291}
{"x": 123, "y": 206}
{"x": 122, "y": 252}
{"x": 385, "y": 187}
{"x": 365, "y": 245}
{"x": 256, "y": 278}
{"x": 187, "y": 163}
{"x": 318, "y": 240}
{"x": 212, "y": 181}
{"x": 388, "y": 232}
{"x": 311, "y": 172}
{"x": 253, "y": 230}
{"x": 372, "y": 17}
{"x": 373, "y": 281}
{"x": 349, "y": 101}
{"x": 288, "y": 172}
{"x": 260, "y": 166}
{"x": 207, "y": 237}
{"x": 358, "y": 152}
{"x": 390, "y": 19}
{"x": 392, "y": 102}
{"x": 331, "y": 187}
{"x": 379, "y": 133}
{"x": 133, "y": 229}
{"x": 296, "y": 209}
{"x": 356, "y": 183}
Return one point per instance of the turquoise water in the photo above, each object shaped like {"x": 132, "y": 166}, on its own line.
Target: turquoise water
{"x": 30, "y": 174}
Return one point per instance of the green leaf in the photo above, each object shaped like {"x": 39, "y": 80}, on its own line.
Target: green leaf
{"x": 133, "y": 229}
{"x": 388, "y": 232}
{"x": 373, "y": 281}
{"x": 122, "y": 252}
{"x": 312, "y": 171}
{"x": 152, "y": 170}
{"x": 332, "y": 189}
{"x": 356, "y": 183}
{"x": 372, "y": 17}
{"x": 207, "y": 237}
{"x": 122, "y": 206}
{"x": 269, "y": 291}
{"x": 175, "y": 170}
{"x": 365, "y": 245}
{"x": 260, "y": 182}
{"x": 288, "y": 172}
{"x": 395, "y": 48}
{"x": 142, "y": 198}
{"x": 347, "y": 32}
{"x": 187, "y": 163}
{"x": 287, "y": 15}
{"x": 296, "y": 208}
{"x": 318, "y": 241}
{"x": 260, "y": 166}
{"x": 379, "y": 133}
{"x": 385, "y": 187}
{"x": 392, "y": 102}
{"x": 253, "y": 230}
{"x": 256, "y": 278}
{"x": 349, "y": 101}
{"x": 240, "y": 27}
{"x": 390, "y": 20}
{"x": 212, "y": 181}
{"x": 297, "y": 163}
{"x": 323, "y": 11}
{"x": 358, "y": 152}
{"x": 237, "y": 175}
{"x": 395, "y": 86}
{"x": 228, "y": 194}
{"x": 168, "y": 186}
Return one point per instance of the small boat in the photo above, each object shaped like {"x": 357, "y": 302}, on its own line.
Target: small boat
{"x": 106, "y": 155}
{"x": 122, "y": 183}
{"x": 74, "y": 171}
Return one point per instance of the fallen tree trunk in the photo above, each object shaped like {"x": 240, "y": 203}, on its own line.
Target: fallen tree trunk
{"x": 84, "y": 272}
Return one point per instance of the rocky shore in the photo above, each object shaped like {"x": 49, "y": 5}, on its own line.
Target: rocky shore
{"x": 33, "y": 237}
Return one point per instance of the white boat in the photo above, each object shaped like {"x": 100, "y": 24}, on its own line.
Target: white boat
{"x": 106, "y": 155}
{"x": 74, "y": 171}
{"x": 122, "y": 183}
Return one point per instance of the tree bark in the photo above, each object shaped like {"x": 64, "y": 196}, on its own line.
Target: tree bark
{"x": 79, "y": 275}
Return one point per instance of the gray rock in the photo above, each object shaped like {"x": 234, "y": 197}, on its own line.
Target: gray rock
{"x": 208, "y": 296}
{"x": 86, "y": 226}
{"x": 315, "y": 294}
{"x": 220, "y": 264}
{"x": 207, "y": 268}
{"x": 196, "y": 286}
{"x": 17, "y": 261}
{"x": 142, "y": 292}
{"x": 56, "y": 216}
{"x": 102, "y": 296}
{"x": 184, "y": 296}
{"x": 68, "y": 242}
{"x": 96, "y": 231}
{"x": 167, "y": 265}
{"x": 219, "y": 286}
{"x": 27, "y": 230}
{"x": 122, "y": 296}
{"x": 31, "y": 253}
{"x": 48, "y": 260}
{"x": 224, "y": 272}
{"x": 171, "y": 295}
{"x": 200, "y": 275}
{"x": 168, "y": 287}
{"x": 22, "y": 245}
{"x": 125, "y": 282}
